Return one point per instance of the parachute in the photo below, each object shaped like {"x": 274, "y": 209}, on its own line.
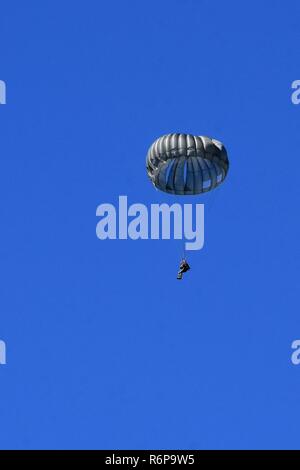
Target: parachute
{"x": 185, "y": 164}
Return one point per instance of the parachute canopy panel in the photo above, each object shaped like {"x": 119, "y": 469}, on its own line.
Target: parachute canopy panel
{"x": 186, "y": 164}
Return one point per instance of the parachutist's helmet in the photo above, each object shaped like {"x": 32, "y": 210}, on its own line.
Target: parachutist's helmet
{"x": 185, "y": 164}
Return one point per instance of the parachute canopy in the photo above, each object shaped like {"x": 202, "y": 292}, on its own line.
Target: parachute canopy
{"x": 186, "y": 164}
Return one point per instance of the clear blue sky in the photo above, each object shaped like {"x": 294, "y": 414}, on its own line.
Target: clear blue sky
{"x": 105, "y": 348}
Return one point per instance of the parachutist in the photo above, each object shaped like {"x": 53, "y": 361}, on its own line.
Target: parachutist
{"x": 183, "y": 268}
{"x": 186, "y": 165}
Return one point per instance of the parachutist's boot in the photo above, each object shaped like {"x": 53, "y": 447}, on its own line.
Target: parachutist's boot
{"x": 179, "y": 275}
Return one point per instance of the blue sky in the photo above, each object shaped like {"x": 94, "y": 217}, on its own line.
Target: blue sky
{"x": 105, "y": 348}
